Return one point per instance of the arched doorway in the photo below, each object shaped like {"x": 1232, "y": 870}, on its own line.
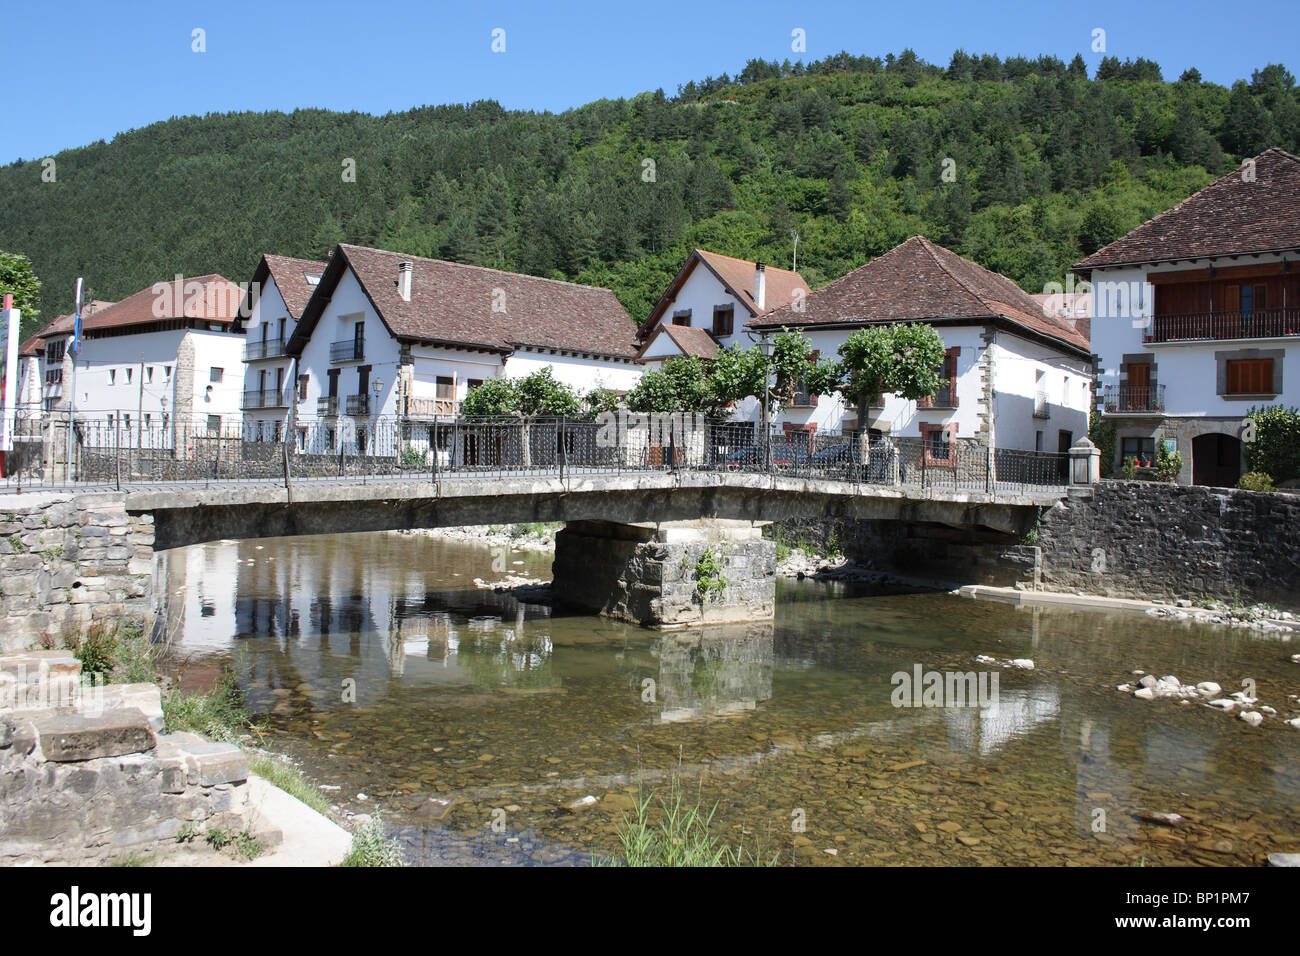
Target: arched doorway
{"x": 1216, "y": 460}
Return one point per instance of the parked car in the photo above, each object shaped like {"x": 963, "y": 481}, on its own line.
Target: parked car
{"x": 751, "y": 456}
{"x": 843, "y": 461}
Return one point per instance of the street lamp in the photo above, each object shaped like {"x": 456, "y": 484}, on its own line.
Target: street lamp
{"x": 378, "y": 387}
{"x": 765, "y": 349}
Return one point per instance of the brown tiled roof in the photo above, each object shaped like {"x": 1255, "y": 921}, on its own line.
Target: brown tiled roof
{"x": 214, "y": 299}
{"x": 1074, "y": 307}
{"x": 688, "y": 339}
{"x": 918, "y": 281}
{"x": 1228, "y": 217}
{"x": 64, "y": 323}
{"x": 737, "y": 275}
{"x": 29, "y": 346}
{"x": 290, "y": 277}
{"x": 452, "y": 303}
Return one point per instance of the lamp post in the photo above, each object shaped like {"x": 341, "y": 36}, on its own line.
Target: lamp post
{"x": 765, "y": 348}
{"x": 378, "y": 387}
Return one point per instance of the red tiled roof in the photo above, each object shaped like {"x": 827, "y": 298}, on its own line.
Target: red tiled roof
{"x": 737, "y": 275}
{"x": 918, "y": 281}
{"x": 689, "y": 340}
{"x": 290, "y": 277}
{"x": 212, "y": 298}
{"x": 64, "y": 323}
{"x": 1228, "y": 217}
{"x": 1074, "y": 307}
{"x": 29, "y": 346}
{"x": 459, "y": 304}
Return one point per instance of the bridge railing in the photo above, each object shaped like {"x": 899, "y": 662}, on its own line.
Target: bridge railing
{"x": 118, "y": 450}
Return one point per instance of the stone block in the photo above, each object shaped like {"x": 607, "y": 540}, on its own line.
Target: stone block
{"x": 217, "y": 763}
{"x": 66, "y": 738}
{"x": 146, "y": 698}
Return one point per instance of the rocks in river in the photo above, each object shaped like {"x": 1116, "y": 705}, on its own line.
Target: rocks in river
{"x": 1156, "y": 816}
{"x": 1223, "y": 704}
{"x": 1284, "y": 859}
{"x": 1019, "y": 663}
{"x": 1208, "y": 688}
{"x": 582, "y": 803}
{"x": 1252, "y": 717}
{"x": 1294, "y": 722}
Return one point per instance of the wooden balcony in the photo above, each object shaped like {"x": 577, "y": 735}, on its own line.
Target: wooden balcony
{"x": 945, "y": 397}
{"x": 1222, "y": 325}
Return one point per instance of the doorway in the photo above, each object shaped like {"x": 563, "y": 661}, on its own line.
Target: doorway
{"x": 1216, "y": 460}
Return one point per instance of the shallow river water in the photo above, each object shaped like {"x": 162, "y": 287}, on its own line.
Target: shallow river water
{"x": 377, "y": 663}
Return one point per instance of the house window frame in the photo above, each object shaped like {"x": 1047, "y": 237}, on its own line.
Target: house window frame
{"x": 1221, "y": 360}
{"x": 949, "y": 429}
{"x": 724, "y": 320}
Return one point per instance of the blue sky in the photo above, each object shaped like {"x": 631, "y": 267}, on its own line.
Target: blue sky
{"x": 83, "y": 71}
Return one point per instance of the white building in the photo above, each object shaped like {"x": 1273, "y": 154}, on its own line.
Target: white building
{"x": 708, "y": 304}
{"x": 1196, "y": 317}
{"x": 1017, "y": 378}
{"x": 164, "y": 356}
{"x": 387, "y": 335}
{"x": 280, "y": 290}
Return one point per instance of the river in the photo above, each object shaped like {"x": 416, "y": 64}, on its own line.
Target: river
{"x": 379, "y": 665}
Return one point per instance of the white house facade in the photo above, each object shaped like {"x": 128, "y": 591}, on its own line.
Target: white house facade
{"x": 1197, "y": 320}
{"x": 1016, "y": 378}
{"x": 393, "y": 337}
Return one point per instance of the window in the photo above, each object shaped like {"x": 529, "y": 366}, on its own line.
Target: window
{"x": 1250, "y": 376}
{"x": 129, "y": 370}
{"x": 1143, "y": 449}
{"x": 472, "y": 383}
{"x": 149, "y": 374}
{"x": 275, "y": 429}
{"x": 126, "y": 422}
{"x": 167, "y": 372}
{"x": 112, "y": 376}
{"x": 940, "y": 443}
{"x": 214, "y": 374}
{"x": 446, "y": 387}
{"x": 1038, "y": 441}
{"x": 147, "y": 416}
{"x": 682, "y": 317}
{"x": 723, "y": 319}
{"x": 302, "y": 387}
{"x": 54, "y": 352}
{"x": 214, "y": 424}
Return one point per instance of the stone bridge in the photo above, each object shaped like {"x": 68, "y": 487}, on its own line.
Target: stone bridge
{"x": 633, "y": 544}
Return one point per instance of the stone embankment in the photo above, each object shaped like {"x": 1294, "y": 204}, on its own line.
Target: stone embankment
{"x": 88, "y": 776}
{"x": 69, "y": 561}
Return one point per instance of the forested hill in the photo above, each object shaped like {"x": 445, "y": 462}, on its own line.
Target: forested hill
{"x": 1047, "y": 165}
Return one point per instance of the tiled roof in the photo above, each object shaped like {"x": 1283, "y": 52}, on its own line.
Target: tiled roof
{"x": 1074, "y": 307}
{"x": 291, "y": 278}
{"x": 918, "y": 281}
{"x": 212, "y": 298}
{"x": 689, "y": 340}
{"x": 64, "y": 323}
{"x": 737, "y": 275}
{"x": 457, "y": 304}
{"x": 1231, "y": 216}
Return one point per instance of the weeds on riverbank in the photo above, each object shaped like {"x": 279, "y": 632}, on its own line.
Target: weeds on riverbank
{"x": 289, "y": 779}
{"x": 678, "y": 832}
{"x": 371, "y": 846}
{"x": 218, "y": 714}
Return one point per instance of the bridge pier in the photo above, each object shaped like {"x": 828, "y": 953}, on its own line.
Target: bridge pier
{"x": 667, "y": 574}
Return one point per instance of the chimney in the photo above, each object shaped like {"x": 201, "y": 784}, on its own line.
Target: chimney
{"x": 760, "y": 286}
{"x": 404, "y": 272}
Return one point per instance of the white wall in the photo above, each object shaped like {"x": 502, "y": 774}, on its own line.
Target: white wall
{"x": 582, "y": 374}
{"x": 1066, "y": 382}
{"x": 700, "y": 293}
{"x": 1187, "y": 370}
{"x": 269, "y": 311}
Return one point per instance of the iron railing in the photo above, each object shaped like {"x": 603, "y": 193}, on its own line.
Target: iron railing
{"x": 358, "y": 404}
{"x": 328, "y": 406}
{"x": 100, "y": 452}
{"x": 265, "y": 398}
{"x": 1129, "y": 399}
{"x": 271, "y": 348}
{"x": 1230, "y": 324}
{"x": 351, "y": 350}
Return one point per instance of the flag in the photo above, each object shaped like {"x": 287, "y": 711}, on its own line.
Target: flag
{"x": 76, "y": 324}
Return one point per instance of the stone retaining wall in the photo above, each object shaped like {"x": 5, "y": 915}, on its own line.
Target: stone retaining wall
{"x": 86, "y": 776}
{"x": 67, "y": 561}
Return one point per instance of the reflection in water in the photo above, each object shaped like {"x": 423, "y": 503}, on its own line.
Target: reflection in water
{"x": 474, "y": 696}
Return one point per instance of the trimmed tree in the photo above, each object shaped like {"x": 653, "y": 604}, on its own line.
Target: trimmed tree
{"x": 18, "y": 278}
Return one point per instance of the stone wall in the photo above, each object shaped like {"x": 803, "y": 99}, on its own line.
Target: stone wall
{"x": 1153, "y": 540}
{"x": 86, "y": 776}
{"x": 67, "y": 561}
{"x": 647, "y": 574}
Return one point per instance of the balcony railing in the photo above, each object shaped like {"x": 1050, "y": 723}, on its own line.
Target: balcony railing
{"x": 432, "y": 407}
{"x": 1129, "y": 399}
{"x": 327, "y": 407}
{"x": 1042, "y": 408}
{"x": 260, "y": 350}
{"x": 945, "y": 397}
{"x": 352, "y": 350}
{"x": 803, "y": 399}
{"x": 264, "y": 398}
{"x": 358, "y": 404}
{"x": 1212, "y": 326}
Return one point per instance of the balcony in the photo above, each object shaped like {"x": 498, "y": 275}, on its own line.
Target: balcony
{"x": 1133, "y": 399}
{"x": 352, "y": 350}
{"x": 432, "y": 407}
{"x": 945, "y": 397}
{"x": 1221, "y": 325}
{"x": 1042, "y": 407}
{"x": 327, "y": 407}
{"x": 263, "y": 350}
{"x": 264, "y": 398}
{"x": 358, "y": 404}
{"x": 803, "y": 399}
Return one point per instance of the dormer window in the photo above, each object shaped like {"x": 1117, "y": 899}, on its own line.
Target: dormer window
{"x": 682, "y": 317}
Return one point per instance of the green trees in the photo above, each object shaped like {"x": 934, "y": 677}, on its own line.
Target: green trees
{"x": 539, "y": 393}
{"x": 19, "y": 279}
{"x": 849, "y": 150}
{"x": 1275, "y": 448}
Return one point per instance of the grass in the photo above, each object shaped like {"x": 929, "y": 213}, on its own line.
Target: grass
{"x": 679, "y": 833}
{"x": 289, "y": 779}
{"x": 135, "y": 859}
{"x": 538, "y": 528}
{"x": 218, "y": 714}
{"x": 371, "y": 846}
{"x": 240, "y": 843}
